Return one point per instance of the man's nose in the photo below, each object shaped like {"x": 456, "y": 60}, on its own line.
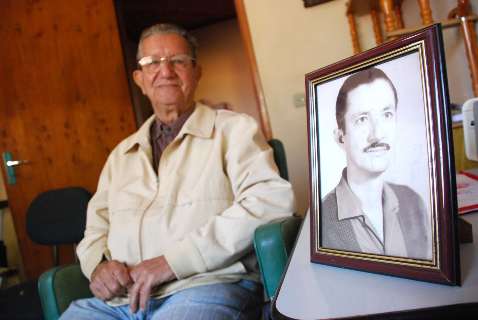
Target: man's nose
{"x": 166, "y": 69}
{"x": 376, "y": 131}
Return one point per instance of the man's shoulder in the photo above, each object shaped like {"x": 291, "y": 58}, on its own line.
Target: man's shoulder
{"x": 225, "y": 119}
{"x": 142, "y": 134}
{"x": 233, "y": 118}
{"x": 235, "y": 125}
{"x": 124, "y": 144}
{"x": 338, "y": 234}
{"x": 330, "y": 198}
{"x": 407, "y": 197}
{"x": 329, "y": 206}
{"x": 403, "y": 191}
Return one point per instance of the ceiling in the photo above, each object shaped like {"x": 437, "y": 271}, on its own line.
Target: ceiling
{"x": 135, "y": 15}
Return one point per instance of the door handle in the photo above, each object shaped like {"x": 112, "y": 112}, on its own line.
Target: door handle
{"x": 10, "y": 165}
{"x": 14, "y": 163}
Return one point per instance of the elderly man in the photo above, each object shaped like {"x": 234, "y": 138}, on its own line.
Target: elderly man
{"x": 169, "y": 230}
{"x": 364, "y": 213}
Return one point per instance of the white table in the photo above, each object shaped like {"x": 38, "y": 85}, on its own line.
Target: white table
{"x": 315, "y": 291}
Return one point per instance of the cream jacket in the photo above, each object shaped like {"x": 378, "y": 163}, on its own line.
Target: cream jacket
{"x": 216, "y": 183}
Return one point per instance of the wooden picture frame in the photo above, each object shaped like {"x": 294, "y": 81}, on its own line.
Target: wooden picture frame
{"x": 392, "y": 144}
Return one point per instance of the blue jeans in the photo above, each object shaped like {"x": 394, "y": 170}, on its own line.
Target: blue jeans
{"x": 223, "y": 301}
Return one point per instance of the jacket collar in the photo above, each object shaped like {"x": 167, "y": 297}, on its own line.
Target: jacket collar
{"x": 200, "y": 124}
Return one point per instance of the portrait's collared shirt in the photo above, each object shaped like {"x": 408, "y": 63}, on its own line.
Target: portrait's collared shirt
{"x": 162, "y": 134}
{"x": 349, "y": 207}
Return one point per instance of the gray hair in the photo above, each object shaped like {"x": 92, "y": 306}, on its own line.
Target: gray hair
{"x": 167, "y": 28}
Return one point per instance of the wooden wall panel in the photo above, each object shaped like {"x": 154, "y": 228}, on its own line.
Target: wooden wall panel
{"x": 64, "y": 101}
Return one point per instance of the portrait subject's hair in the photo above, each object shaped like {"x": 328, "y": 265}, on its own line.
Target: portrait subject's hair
{"x": 362, "y": 77}
{"x": 167, "y": 28}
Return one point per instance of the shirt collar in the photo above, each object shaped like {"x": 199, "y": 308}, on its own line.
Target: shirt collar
{"x": 390, "y": 200}
{"x": 158, "y": 128}
{"x": 349, "y": 206}
{"x": 200, "y": 124}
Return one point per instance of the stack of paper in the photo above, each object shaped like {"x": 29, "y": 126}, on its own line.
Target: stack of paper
{"x": 467, "y": 192}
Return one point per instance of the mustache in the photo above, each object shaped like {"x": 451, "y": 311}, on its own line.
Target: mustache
{"x": 375, "y": 145}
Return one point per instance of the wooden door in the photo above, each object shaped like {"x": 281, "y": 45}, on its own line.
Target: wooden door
{"x": 64, "y": 102}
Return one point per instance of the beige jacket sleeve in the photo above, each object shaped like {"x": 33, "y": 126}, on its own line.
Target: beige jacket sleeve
{"x": 260, "y": 197}
{"x": 93, "y": 247}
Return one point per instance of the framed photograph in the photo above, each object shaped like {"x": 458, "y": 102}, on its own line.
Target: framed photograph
{"x": 382, "y": 177}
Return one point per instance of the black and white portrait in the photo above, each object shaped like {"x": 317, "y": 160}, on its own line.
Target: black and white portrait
{"x": 374, "y": 173}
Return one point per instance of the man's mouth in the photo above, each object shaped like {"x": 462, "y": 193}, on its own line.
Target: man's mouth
{"x": 376, "y": 147}
{"x": 167, "y": 85}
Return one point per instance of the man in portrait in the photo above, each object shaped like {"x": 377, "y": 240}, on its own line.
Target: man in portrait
{"x": 365, "y": 213}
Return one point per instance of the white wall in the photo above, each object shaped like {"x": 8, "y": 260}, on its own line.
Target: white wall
{"x": 290, "y": 41}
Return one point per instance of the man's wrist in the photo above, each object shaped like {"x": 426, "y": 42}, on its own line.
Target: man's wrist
{"x": 103, "y": 260}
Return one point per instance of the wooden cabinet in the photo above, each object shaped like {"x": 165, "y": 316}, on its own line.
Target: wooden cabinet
{"x": 461, "y": 162}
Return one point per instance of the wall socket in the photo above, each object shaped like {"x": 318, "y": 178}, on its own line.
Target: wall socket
{"x": 470, "y": 128}
{"x": 299, "y": 99}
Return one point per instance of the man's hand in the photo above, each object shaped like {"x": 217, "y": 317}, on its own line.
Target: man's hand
{"x": 147, "y": 275}
{"x": 110, "y": 279}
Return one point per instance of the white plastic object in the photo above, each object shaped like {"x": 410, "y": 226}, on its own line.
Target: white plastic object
{"x": 470, "y": 128}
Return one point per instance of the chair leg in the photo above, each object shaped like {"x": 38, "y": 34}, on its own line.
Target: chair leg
{"x": 74, "y": 252}
{"x": 56, "y": 258}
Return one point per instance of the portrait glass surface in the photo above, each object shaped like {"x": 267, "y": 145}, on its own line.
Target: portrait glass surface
{"x": 399, "y": 160}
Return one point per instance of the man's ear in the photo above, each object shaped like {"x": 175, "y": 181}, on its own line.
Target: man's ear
{"x": 138, "y": 77}
{"x": 339, "y": 136}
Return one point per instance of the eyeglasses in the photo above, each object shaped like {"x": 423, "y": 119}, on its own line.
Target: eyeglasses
{"x": 151, "y": 64}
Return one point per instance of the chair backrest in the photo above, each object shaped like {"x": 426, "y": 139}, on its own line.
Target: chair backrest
{"x": 58, "y": 216}
{"x": 279, "y": 157}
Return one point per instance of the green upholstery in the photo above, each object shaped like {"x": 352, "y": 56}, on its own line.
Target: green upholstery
{"x": 273, "y": 243}
{"x": 279, "y": 157}
{"x": 59, "y": 286}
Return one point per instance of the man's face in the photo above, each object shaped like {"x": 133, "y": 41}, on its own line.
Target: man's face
{"x": 170, "y": 85}
{"x": 369, "y": 128}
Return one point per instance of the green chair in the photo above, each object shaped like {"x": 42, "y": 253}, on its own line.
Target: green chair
{"x": 279, "y": 157}
{"x": 54, "y": 217}
{"x": 60, "y": 286}
{"x": 272, "y": 243}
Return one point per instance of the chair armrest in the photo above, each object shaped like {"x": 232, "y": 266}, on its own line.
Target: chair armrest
{"x": 273, "y": 243}
{"x": 59, "y": 286}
